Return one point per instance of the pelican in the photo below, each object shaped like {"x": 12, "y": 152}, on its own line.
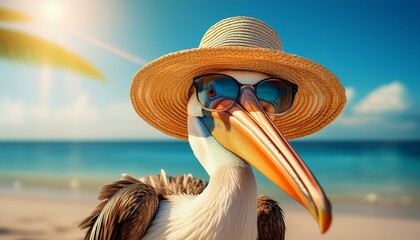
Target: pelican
{"x": 231, "y": 125}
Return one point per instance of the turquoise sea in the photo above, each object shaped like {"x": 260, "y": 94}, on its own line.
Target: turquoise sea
{"x": 353, "y": 172}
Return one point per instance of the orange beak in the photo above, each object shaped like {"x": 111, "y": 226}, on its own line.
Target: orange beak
{"x": 246, "y": 130}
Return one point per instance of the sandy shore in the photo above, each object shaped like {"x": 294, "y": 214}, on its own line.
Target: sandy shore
{"x": 45, "y": 218}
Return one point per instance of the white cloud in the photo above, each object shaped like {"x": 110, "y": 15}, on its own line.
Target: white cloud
{"x": 45, "y": 83}
{"x": 357, "y": 120}
{"x": 19, "y": 113}
{"x": 80, "y": 110}
{"x": 405, "y": 125}
{"x": 79, "y": 119}
{"x": 350, "y": 92}
{"x": 12, "y": 112}
{"x": 389, "y": 98}
{"x": 383, "y": 108}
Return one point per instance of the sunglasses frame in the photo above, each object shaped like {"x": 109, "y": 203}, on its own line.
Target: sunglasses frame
{"x": 293, "y": 86}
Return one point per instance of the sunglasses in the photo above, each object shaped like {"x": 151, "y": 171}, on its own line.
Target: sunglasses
{"x": 275, "y": 95}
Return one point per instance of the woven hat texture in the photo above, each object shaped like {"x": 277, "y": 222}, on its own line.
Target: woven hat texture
{"x": 161, "y": 89}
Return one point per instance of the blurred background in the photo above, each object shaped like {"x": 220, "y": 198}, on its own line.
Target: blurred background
{"x": 67, "y": 125}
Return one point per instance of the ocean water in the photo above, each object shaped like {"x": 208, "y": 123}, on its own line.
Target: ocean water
{"x": 386, "y": 173}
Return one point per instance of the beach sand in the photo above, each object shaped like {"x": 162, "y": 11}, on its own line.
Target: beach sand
{"x": 24, "y": 217}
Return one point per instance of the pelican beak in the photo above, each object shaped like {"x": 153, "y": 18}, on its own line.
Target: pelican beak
{"x": 246, "y": 130}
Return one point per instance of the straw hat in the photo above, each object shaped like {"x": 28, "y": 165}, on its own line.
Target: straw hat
{"x": 161, "y": 89}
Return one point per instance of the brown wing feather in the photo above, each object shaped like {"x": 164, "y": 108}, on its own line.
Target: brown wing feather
{"x": 182, "y": 184}
{"x": 126, "y": 210}
{"x": 127, "y": 206}
{"x": 270, "y": 219}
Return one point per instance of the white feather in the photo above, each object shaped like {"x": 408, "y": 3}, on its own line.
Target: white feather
{"x": 225, "y": 210}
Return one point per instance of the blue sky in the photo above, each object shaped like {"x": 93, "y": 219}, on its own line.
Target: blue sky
{"x": 372, "y": 46}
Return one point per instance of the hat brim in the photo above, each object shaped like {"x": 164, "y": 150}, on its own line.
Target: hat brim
{"x": 161, "y": 89}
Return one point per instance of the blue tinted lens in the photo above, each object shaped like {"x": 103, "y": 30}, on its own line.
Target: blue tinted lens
{"x": 276, "y": 93}
{"x": 267, "y": 91}
{"x": 212, "y": 89}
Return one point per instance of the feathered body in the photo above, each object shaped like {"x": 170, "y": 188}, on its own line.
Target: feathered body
{"x": 130, "y": 205}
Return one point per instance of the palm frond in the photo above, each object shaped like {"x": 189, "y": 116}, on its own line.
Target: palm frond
{"x": 22, "y": 47}
{"x": 8, "y": 15}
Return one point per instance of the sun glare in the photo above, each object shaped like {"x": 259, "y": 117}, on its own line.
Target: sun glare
{"x": 52, "y": 10}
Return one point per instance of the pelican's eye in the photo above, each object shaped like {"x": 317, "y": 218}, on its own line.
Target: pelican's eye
{"x": 216, "y": 91}
{"x": 211, "y": 92}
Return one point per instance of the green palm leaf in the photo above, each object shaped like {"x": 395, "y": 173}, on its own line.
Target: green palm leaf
{"x": 23, "y": 47}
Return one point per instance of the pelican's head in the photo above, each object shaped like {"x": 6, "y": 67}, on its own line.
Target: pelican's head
{"x": 244, "y": 126}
